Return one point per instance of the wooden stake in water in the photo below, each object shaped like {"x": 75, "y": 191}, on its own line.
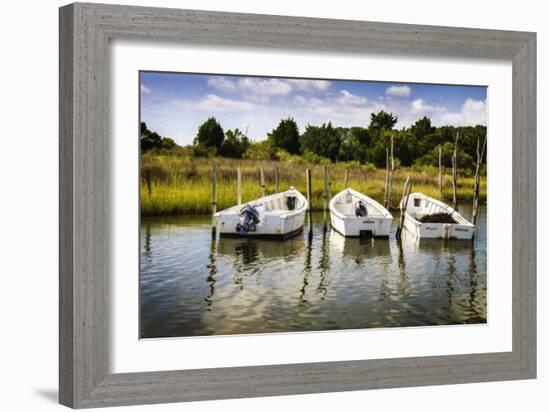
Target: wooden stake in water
{"x": 277, "y": 179}
{"x": 346, "y": 175}
{"x": 329, "y": 185}
{"x": 440, "y": 176}
{"x": 455, "y": 167}
{"x": 325, "y": 197}
{"x": 480, "y": 153}
{"x": 214, "y": 198}
{"x": 403, "y": 207}
{"x": 308, "y": 184}
{"x": 387, "y": 179}
{"x": 390, "y": 184}
{"x": 262, "y": 180}
{"x": 239, "y": 186}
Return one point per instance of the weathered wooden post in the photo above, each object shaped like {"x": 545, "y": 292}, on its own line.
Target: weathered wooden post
{"x": 277, "y": 179}
{"x": 346, "y": 175}
{"x": 239, "y": 186}
{"x": 403, "y": 207}
{"x": 480, "y": 152}
{"x": 308, "y": 184}
{"x": 440, "y": 176}
{"x": 455, "y": 167}
{"x": 262, "y": 180}
{"x": 214, "y": 198}
{"x": 329, "y": 181}
{"x": 387, "y": 179}
{"x": 390, "y": 185}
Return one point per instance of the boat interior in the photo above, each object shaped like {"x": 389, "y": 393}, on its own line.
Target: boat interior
{"x": 346, "y": 204}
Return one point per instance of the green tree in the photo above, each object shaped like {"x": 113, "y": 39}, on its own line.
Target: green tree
{"x": 382, "y": 121}
{"x": 422, "y": 127}
{"x": 210, "y": 134}
{"x": 323, "y": 141}
{"x": 286, "y": 136}
{"x": 235, "y": 144}
{"x": 149, "y": 140}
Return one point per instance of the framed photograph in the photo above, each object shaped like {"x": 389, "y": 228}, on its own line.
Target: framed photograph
{"x": 256, "y": 205}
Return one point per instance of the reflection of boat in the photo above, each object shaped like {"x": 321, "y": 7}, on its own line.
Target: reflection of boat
{"x": 279, "y": 215}
{"x": 429, "y": 218}
{"x": 354, "y": 214}
{"x": 254, "y": 248}
{"x": 359, "y": 247}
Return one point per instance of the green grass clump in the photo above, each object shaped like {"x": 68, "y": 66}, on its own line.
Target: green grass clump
{"x": 174, "y": 185}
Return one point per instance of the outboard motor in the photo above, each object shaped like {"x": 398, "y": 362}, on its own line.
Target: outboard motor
{"x": 291, "y": 202}
{"x": 251, "y": 218}
{"x": 360, "y": 209}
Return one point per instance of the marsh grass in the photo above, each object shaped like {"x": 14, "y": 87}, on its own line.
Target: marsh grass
{"x": 182, "y": 185}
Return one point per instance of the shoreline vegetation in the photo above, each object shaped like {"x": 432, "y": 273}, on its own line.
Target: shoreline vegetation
{"x": 177, "y": 180}
{"x": 181, "y": 185}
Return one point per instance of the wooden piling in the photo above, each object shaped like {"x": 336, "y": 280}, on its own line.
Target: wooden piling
{"x": 239, "y": 186}
{"x": 214, "y": 198}
{"x": 325, "y": 197}
{"x": 390, "y": 184}
{"x": 308, "y": 186}
{"x": 403, "y": 207}
{"x": 455, "y": 167}
{"x": 346, "y": 175}
{"x": 387, "y": 179}
{"x": 329, "y": 184}
{"x": 277, "y": 179}
{"x": 440, "y": 176}
{"x": 262, "y": 181}
{"x": 148, "y": 183}
{"x": 480, "y": 153}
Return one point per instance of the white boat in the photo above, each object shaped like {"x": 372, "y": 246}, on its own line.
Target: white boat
{"x": 354, "y": 214}
{"x": 278, "y": 215}
{"x": 426, "y": 218}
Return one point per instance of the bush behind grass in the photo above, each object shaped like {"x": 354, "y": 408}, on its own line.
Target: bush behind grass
{"x": 182, "y": 185}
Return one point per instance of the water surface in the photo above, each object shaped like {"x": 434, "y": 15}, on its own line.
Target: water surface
{"x": 193, "y": 285}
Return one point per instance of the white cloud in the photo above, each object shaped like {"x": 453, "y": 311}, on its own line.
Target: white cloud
{"x": 257, "y": 86}
{"x": 472, "y": 113}
{"x": 212, "y": 103}
{"x": 345, "y": 97}
{"x": 400, "y": 91}
{"x": 144, "y": 89}
{"x": 420, "y": 107}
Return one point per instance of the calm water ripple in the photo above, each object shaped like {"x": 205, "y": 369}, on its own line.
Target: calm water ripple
{"x": 191, "y": 285}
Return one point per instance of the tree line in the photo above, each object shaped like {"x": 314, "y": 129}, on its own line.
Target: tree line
{"x": 415, "y": 145}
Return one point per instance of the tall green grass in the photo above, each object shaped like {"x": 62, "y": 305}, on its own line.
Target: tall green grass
{"x": 172, "y": 185}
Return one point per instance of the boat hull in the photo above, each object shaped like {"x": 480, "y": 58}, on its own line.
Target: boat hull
{"x": 422, "y": 205}
{"x": 364, "y": 226}
{"x": 272, "y": 227}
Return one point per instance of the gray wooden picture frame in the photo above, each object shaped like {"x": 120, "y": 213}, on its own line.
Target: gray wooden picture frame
{"x": 85, "y": 32}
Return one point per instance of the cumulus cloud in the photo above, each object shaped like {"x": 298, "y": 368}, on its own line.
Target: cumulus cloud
{"x": 213, "y": 103}
{"x": 420, "y": 107}
{"x": 144, "y": 89}
{"x": 399, "y": 91}
{"x": 258, "y": 86}
{"x": 472, "y": 113}
{"x": 345, "y": 97}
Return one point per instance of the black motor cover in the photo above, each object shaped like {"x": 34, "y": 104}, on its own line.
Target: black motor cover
{"x": 360, "y": 209}
{"x": 251, "y": 218}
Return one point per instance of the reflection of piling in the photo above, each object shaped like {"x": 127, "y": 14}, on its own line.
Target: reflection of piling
{"x": 262, "y": 180}
{"x": 277, "y": 179}
{"x": 325, "y": 197}
{"x": 214, "y": 198}
{"x": 308, "y": 184}
{"x": 403, "y": 206}
{"x": 239, "y": 186}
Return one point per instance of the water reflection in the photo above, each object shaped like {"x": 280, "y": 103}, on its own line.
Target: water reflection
{"x": 191, "y": 284}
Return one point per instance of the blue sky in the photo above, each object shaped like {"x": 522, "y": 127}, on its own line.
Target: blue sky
{"x": 175, "y": 104}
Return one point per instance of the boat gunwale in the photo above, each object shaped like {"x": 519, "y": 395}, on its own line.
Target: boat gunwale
{"x": 439, "y": 203}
